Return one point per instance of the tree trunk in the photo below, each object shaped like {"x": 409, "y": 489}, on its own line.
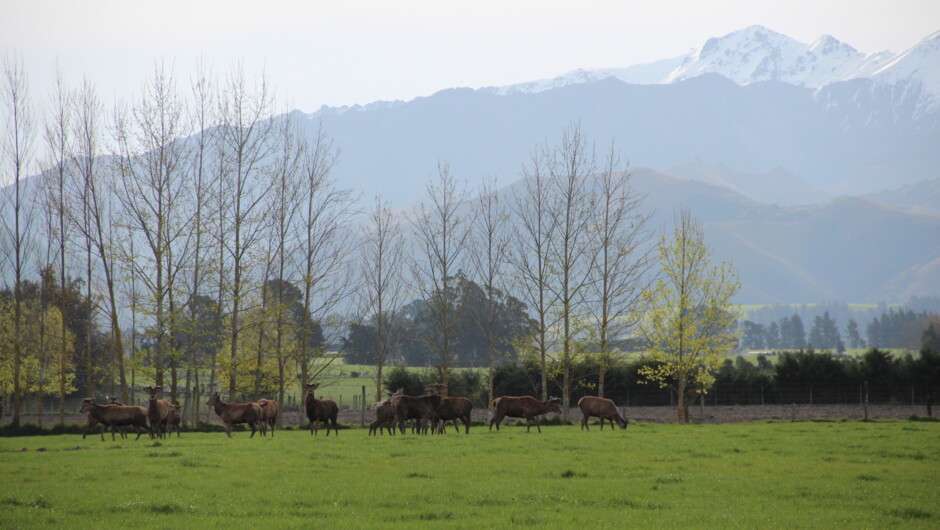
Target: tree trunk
{"x": 681, "y": 409}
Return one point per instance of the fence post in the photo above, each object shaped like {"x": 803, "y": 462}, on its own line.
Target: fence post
{"x": 362, "y": 422}
{"x": 866, "y": 400}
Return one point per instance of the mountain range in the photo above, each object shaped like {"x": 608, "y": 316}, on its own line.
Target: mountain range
{"x": 815, "y": 168}
{"x": 754, "y": 101}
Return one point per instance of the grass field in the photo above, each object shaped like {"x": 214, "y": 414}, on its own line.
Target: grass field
{"x": 752, "y": 475}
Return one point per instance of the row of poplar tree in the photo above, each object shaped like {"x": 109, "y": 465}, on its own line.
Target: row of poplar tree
{"x": 205, "y": 233}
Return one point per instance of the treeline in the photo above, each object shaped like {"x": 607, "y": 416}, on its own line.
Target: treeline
{"x": 511, "y": 324}
{"x": 213, "y": 250}
{"x": 895, "y": 328}
{"x": 802, "y": 377}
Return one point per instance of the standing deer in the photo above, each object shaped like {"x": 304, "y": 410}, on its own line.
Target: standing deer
{"x": 602, "y": 408}
{"x": 318, "y": 410}
{"x": 418, "y": 408}
{"x": 523, "y": 407}
{"x": 269, "y": 412}
{"x": 114, "y": 416}
{"x": 158, "y": 412}
{"x": 452, "y": 408}
{"x": 233, "y": 413}
{"x": 175, "y": 420}
{"x": 384, "y": 415}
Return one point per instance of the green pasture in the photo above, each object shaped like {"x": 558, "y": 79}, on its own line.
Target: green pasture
{"x": 758, "y": 475}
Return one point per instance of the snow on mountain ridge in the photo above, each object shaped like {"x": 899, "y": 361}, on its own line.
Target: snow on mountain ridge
{"x": 759, "y": 54}
{"x": 917, "y": 65}
{"x": 756, "y": 53}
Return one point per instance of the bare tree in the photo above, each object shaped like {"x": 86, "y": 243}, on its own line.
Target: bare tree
{"x": 623, "y": 261}
{"x": 244, "y": 139}
{"x": 488, "y": 258}
{"x": 58, "y": 134}
{"x": 324, "y": 248}
{"x": 382, "y": 256}
{"x": 530, "y": 256}
{"x": 283, "y": 204}
{"x": 18, "y": 151}
{"x": 570, "y": 165}
{"x": 149, "y": 162}
{"x": 441, "y": 235}
{"x": 201, "y": 118}
{"x": 94, "y": 194}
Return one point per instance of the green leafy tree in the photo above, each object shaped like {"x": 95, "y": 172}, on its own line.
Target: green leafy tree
{"x": 792, "y": 333}
{"x": 852, "y": 335}
{"x": 825, "y": 334}
{"x": 691, "y": 322}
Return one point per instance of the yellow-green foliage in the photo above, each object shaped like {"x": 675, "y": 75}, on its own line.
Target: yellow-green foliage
{"x": 45, "y": 353}
{"x": 690, "y": 322}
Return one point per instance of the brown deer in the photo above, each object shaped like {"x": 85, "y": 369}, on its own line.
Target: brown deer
{"x": 418, "y": 408}
{"x": 175, "y": 420}
{"x": 114, "y": 416}
{"x": 92, "y": 422}
{"x": 234, "y": 413}
{"x": 384, "y": 415}
{"x": 158, "y": 411}
{"x": 522, "y": 407}
{"x": 269, "y": 412}
{"x": 452, "y": 408}
{"x": 602, "y": 408}
{"x": 318, "y": 410}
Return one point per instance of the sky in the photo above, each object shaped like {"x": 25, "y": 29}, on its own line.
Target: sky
{"x": 345, "y": 52}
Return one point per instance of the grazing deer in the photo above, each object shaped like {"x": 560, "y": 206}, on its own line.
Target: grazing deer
{"x": 602, "y": 408}
{"x": 233, "y": 413}
{"x": 522, "y": 407}
{"x": 318, "y": 410}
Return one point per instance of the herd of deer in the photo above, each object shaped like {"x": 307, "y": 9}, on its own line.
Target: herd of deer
{"x": 428, "y": 411}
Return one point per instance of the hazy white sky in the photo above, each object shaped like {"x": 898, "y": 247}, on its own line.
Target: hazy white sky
{"x": 345, "y": 52}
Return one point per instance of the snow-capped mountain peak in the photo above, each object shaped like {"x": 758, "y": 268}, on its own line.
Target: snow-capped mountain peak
{"x": 756, "y": 53}
{"x": 919, "y": 65}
